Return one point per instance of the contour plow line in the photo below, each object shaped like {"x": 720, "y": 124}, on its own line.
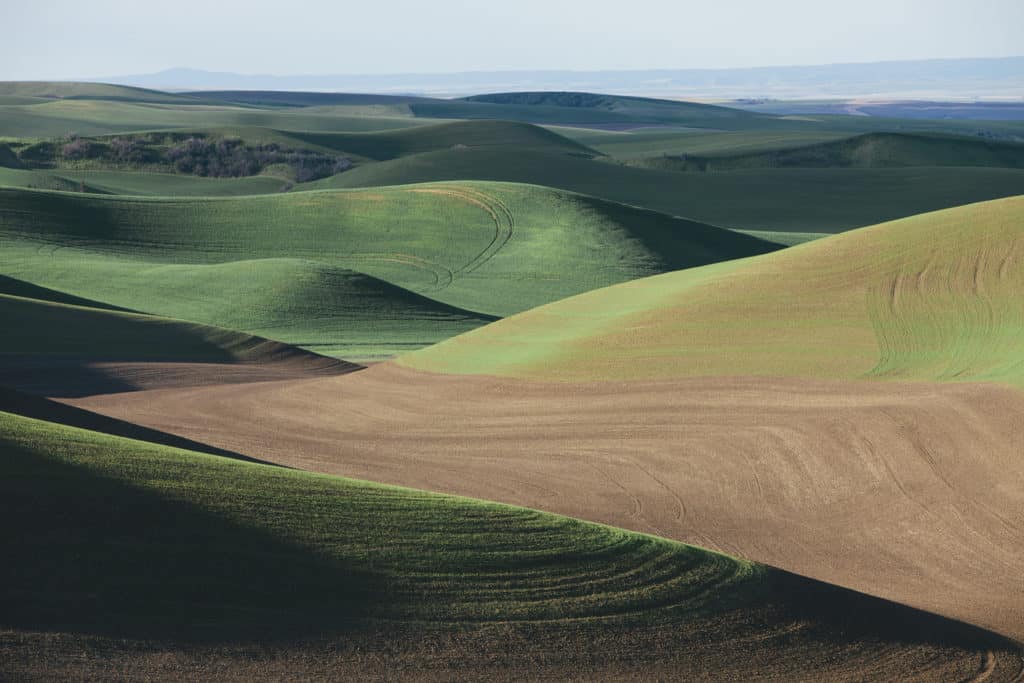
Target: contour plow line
{"x": 504, "y": 221}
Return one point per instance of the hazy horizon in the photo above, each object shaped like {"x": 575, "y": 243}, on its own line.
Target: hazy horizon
{"x": 59, "y": 40}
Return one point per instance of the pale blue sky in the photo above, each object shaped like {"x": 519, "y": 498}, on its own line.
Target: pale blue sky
{"x": 48, "y": 39}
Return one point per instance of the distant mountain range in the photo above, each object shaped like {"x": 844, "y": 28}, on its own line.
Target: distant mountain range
{"x": 920, "y": 79}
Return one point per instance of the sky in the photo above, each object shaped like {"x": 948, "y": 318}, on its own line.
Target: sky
{"x": 52, "y": 39}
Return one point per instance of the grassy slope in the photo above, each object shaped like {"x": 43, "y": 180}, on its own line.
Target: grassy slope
{"x": 384, "y": 145}
{"x": 791, "y": 200}
{"x": 284, "y": 98}
{"x": 588, "y": 108}
{"x": 107, "y": 177}
{"x": 98, "y": 117}
{"x": 554, "y": 108}
{"x": 934, "y": 296}
{"x": 281, "y": 264}
{"x": 93, "y": 91}
{"x": 872, "y": 150}
{"x": 13, "y": 287}
{"x": 329, "y": 310}
{"x": 655, "y": 142}
{"x": 139, "y": 183}
{"x": 186, "y": 551}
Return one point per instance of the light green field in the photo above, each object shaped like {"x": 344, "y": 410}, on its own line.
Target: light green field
{"x": 139, "y": 183}
{"x": 102, "y": 117}
{"x": 358, "y": 274}
{"x": 326, "y": 309}
{"x": 932, "y": 297}
{"x": 94, "y": 91}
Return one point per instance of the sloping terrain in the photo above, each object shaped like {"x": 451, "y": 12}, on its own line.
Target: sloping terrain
{"x": 645, "y": 143}
{"x": 330, "y": 310}
{"x": 790, "y": 200}
{"x": 591, "y": 108}
{"x": 929, "y": 297}
{"x": 354, "y": 273}
{"x": 907, "y": 491}
{"x": 384, "y": 145}
{"x": 298, "y": 98}
{"x": 718, "y": 406}
{"x": 138, "y": 183}
{"x": 872, "y": 150}
{"x": 59, "y": 90}
{"x": 349, "y": 577}
{"x": 70, "y": 350}
{"x": 841, "y": 419}
{"x": 53, "y": 118}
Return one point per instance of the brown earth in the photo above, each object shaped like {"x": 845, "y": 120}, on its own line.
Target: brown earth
{"x": 913, "y": 492}
{"x": 513, "y": 653}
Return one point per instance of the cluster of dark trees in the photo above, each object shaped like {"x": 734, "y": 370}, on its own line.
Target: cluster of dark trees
{"x": 196, "y": 154}
{"x": 231, "y": 158}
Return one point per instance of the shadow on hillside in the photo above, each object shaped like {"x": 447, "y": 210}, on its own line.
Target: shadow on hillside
{"x": 840, "y": 613}
{"x": 65, "y": 377}
{"x": 38, "y": 408}
{"x": 93, "y": 555}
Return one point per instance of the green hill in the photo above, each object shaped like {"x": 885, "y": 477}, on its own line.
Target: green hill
{"x": 60, "y": 90}
{"x": 326, "y": 309}
{"x": 561, "y": 108}
{"x": 139, "y": 183}
{"x": 384, "y": 145}
{"x": 354, "y": 273}
{"x": 284, "y": 98}
{"x": 54, "y": 118}
{"x": 637, "y": 109}
{"x": 872, "y": 150}
{"x": 789, "y": 200}
{"x": 177, "y": 552}
{"x": 644, "y": 143}
{"x": 931, "y": 297}
{"x": 26, "y": 290}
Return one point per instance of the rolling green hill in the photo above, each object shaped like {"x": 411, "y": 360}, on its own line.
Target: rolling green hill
{"x": 175, "y": 551}
{"x": 283, "y": 98}
{"x": 789, "y": 200}
{"x": 326, "y": 309}
{"x": 358, "y": 274}
{"x": 643, "y": 143}
{"x": 641, "y": 109}
{"x": 929, "y": 297}
{"x": 60, "y": 90}
{"x": 872, "y": 150}
{"x": 139, "y": 183}
{"x": 384, "y": 145}
{"x": 102, "y": 117}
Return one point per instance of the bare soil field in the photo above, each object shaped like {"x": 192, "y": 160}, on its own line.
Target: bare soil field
{"x": 912, "y": 492}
